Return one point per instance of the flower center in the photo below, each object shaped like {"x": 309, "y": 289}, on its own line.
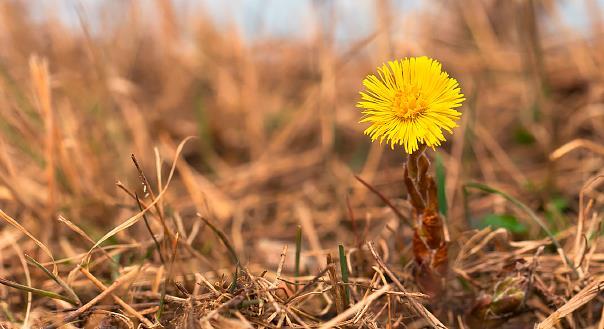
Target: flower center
{"x": 409, "y": 104}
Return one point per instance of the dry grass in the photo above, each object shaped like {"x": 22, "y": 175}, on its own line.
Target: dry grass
{"x": 203, "y": 232}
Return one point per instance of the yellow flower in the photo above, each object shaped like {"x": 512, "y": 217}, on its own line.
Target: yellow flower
{"x": 410, "y": 103}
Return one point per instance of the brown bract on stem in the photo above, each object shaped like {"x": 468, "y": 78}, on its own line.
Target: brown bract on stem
{"x": 429, "y": 246}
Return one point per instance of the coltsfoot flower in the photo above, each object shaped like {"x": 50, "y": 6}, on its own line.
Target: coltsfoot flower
{"x": 410, "y": 102}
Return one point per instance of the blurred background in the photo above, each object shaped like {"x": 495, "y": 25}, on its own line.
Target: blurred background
{"x": 269, "y": 88}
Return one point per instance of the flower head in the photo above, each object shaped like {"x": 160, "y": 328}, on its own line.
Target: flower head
{"x": 410, "y": 102}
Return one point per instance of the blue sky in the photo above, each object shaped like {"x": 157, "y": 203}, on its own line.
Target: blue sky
{"x": 281, "y": 18}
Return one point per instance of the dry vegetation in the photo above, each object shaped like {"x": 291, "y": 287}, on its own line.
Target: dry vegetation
{"x": 241, "y": 227}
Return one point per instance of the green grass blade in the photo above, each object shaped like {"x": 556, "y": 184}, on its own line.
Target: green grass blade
{"x": 36, "y": 291}
{"x": 344, "y": 269}
{"x": 233, "y": 285}
{"x": 204, "y": 132}
{"x": 532, "y": 215}
{"x": 505, "y": 221}
{"x": 440, "y": 185}
{"x": 298, "y": 250}
{"x": 55, "y": 278}
{"x": 224, "y": 240}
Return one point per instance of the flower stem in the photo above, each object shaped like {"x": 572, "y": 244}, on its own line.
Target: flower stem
{"x": 429, "y": 246}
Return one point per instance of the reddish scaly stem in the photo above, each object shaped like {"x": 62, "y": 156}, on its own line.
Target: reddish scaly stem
{"x": 429, "y": 247}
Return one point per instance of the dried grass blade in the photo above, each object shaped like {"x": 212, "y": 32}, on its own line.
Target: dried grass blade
{"x": 419, "y": 308}
{"x": 354, "y": 308}
{"x": 398, "y": 213}
{"x": 42, "y": 246}
{"x": 40, "y": 77}
{"x": 84, "y": 308}
{"x": 162, "y": 299}
{"x": 83, "y": 234}
{"x": 575, "y": 144}
{"x": 157, "y": 245}
{"x": 134, "y": 219}
{"x": 586, "y": 294}
{"x": 118, "y": 300}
